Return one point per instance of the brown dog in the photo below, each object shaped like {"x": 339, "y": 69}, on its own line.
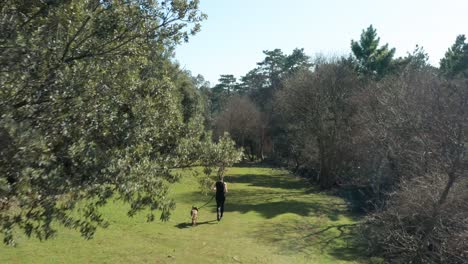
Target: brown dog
{"x": 194, "y": 215}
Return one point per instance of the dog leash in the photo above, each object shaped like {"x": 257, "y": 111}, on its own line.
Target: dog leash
{"x": 207, "y": 202}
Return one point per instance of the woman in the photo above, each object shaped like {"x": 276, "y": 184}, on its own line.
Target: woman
{"x": 221, "y": 189}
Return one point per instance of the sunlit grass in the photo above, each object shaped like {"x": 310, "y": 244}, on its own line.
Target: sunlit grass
{"x": 271, "y": 217}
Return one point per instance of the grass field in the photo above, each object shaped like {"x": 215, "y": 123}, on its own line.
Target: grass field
{"x": 270, "y": 217}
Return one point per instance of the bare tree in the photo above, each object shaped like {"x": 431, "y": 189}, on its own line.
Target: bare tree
{"x": 317, "y": 108}
{"x": 243, "y": 121}
{"x": 420, "y": 120}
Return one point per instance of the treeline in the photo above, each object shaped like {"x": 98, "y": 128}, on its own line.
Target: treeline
{"x": 93, "y": 108}
{"x": 395, "y": 128}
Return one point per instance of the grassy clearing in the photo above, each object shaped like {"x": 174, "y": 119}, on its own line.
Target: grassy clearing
{"x": 270, "y": 217}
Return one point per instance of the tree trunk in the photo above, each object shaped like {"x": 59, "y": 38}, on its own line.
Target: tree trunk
{"x": 326, "y": 177}
{"x": 262, "y": 143}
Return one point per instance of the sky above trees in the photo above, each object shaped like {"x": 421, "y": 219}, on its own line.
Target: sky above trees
{"x": 236, "y": 32}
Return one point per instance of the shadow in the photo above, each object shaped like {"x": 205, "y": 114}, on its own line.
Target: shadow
{"x": 250, "y": 164}
{"x": 270, "y": 203}
{"x": 310, "y": 237}
{"x": 275, "y": 195}
{"x": 343, "y": 243}
{"x": 281, "y": 181}
{"x": 187, "y": 225}
{"x": 319, "y": 228}
{"x": 359, "y": 199}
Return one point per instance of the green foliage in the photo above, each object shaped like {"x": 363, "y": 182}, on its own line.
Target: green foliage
{"x": 416, "y": 60}
{"x": 92, "y": 108}
{"x": 221, "y": 92}
{"x": 227, "y": 83}
{"x": 264, "y": 80}
{"x": 218, "y": 156}
{"x": 372, "y": 60}
{"x": 455, "y": 60}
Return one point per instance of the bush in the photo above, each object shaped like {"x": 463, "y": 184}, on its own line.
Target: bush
{"x": 415, "y": 228}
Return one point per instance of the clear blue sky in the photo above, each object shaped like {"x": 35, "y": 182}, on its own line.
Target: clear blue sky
{"x": 237, "y": 31}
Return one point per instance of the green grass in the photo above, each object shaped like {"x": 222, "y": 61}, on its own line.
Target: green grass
{"x": 270, "y": 217}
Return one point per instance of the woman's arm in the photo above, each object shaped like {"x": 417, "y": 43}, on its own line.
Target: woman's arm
{"x": 225, "y": 188}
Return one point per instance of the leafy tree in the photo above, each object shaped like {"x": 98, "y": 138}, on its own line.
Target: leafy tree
{"x": 217, "y": 156}
{"x": 200, "y": 82}
{"x": 205, "y": 91}
{"x": 92, "y": 108}
{"x": 372, "y": 60}
{"x": 455, "y": 60}
{"x": 191, "y": 99}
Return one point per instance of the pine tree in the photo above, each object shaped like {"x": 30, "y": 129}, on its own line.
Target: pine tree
{"x": 456, "y": 58}
{"x": 372, "y": 60}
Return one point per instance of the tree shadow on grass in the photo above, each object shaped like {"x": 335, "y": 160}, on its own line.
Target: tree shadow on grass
{"x": 342, "y": 242}
{"x": 273, "y": 195}
{"x": 280, "y": 181}
{"x": 187, "y": 225}
{"x": 270, "y": 204}
{"x": 311, "y": 238}
{"x": 248, "y": 164}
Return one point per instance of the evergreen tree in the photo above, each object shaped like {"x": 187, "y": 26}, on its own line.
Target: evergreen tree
{"x": 372, "y": 60}
{"x": 227, "y": 83}
{"x": 456, "y": 58}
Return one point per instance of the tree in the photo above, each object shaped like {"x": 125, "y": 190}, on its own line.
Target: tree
{"x": 420, "y": 122}
{"x": 316, "y": 108}
{"x": 191, "y": 99}
{"x": 418, "y": 60}
{"x": 264, "y": 80}
{"x": 200, "y": 82}
{"x": 222, "y": 91}
{"x": 217, "y": 156}
{"x": 205, "y": 91}
{"x": 241, "y": 119}
{"x": 455, "y": 60}
{"x": 227, "y": 83}
{"x": 296, "y": 61}
{"x": 92, "y": 108}
{"x": 372, "y": 60}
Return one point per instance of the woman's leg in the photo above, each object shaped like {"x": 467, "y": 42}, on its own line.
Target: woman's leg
{"x": 218, "y": 208}
{"x": 222, "y": 206}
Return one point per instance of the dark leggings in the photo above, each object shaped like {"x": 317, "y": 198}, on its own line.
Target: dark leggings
{"x": 220, "y": 205}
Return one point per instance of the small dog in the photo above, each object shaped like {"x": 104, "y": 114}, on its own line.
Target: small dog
{"x": 194, "y": 214}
